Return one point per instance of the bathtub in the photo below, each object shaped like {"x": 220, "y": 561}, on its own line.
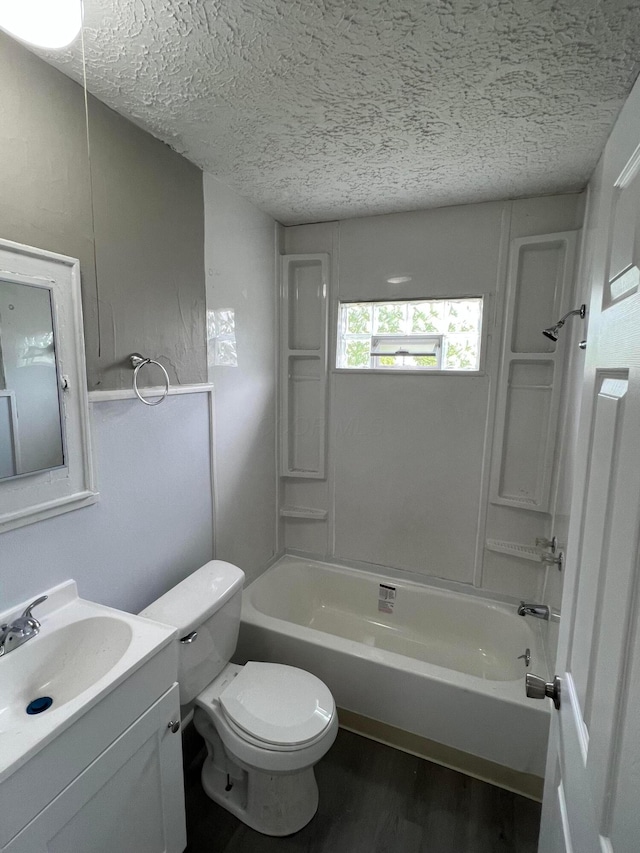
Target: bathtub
{"x": 444, "y": 666}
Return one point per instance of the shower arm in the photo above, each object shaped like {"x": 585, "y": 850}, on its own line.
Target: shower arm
{"x": 582, "y": 310}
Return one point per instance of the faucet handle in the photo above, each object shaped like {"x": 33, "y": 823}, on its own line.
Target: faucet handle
{"x": 27, "y": 613}
{"x": 552, "y": 543}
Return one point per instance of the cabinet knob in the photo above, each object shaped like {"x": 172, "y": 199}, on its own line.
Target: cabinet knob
{"x": 174, "y": 725}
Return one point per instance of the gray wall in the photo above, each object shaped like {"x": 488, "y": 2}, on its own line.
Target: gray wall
{"x": 149, "y": 219}
{"x": 153, "y": 522}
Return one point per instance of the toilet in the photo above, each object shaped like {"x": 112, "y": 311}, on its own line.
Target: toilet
{"x": 265, "y": 725}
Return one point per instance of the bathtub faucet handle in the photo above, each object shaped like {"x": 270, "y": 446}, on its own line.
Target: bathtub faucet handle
{"x": 551, "y": 544}
{"x": 526, "y": 657}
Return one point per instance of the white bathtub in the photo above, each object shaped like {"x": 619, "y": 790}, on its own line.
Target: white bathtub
{"x": 442, "y": 665}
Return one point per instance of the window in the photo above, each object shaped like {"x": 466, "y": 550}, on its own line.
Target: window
{"x": 425, "y": 334}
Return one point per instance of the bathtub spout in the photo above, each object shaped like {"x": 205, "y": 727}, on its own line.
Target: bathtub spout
{"x": 540, "y": 611}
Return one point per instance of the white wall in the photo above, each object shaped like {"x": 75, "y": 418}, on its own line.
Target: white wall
{"x": 409, "y": 455}
{"x": 152, "y": 524}
{"x": 240, "y": 253}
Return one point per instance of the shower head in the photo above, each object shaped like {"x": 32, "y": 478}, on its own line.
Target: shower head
{"x": 551, "y": 332}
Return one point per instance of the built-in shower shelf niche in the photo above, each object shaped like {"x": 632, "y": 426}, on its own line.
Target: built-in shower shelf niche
{"x": 514, "y": 549}
{"x": 539, "y": 287}
{"x": 304, "y": 287}
{"x": 307, "y": 512}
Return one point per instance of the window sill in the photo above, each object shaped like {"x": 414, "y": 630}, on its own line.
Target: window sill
{"x": 369, "y": 371}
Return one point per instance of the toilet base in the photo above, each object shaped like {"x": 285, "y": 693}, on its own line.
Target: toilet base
{"x": 272, "y": 804}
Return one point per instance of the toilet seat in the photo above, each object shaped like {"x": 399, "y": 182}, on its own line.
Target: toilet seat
{"x": 248, "y": 738}
{"x": 277, "y": 707}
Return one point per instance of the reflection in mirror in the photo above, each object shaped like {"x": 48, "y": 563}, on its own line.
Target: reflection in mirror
{"x": 31, "y": 437}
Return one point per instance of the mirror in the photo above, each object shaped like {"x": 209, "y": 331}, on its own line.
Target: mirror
{"x": 43, "y": 369}
{"x": 46, "y": 238}
{"x": 31, "y": 427}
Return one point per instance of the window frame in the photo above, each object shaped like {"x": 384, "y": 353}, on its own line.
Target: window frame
{"x": 377, "y": 339}
{"x": 480, "y": 370}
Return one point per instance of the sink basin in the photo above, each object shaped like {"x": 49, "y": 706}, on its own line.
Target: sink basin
{"x": 60, "y": 664}
{"x": 83, "y": 651}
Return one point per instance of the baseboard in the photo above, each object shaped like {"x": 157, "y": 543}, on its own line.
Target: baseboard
{"x": 525, "y": 784}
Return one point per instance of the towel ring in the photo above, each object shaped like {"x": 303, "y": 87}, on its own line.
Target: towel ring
{"x": 138, "y": 361}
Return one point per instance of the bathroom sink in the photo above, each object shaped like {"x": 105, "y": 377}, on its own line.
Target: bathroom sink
{"x": 82, "y": 652}
{"x": 60, "y": 665}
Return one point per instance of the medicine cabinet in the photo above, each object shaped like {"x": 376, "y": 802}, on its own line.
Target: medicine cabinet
{"x": 45, "y": 447}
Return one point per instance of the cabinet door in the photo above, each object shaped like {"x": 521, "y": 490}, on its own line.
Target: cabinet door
{"x": 130, "y": 799}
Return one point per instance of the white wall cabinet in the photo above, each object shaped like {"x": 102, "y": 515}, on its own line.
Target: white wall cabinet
{"x": 129, "y": 799}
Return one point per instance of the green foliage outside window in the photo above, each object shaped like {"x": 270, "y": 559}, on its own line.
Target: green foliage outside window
{"x": 358, "y": 353}
{"x": 458, "y": 321}
{"x": 426, "y": 360}
{"x": 426, "y": 319}
{"x": 359, "y": 320}
{"x": 460, "y": 356}
{"x": 389, "y": 319}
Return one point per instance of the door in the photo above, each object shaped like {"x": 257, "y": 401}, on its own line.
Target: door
{"x": 130, "y": 799}
{"x": 592, "y": 788}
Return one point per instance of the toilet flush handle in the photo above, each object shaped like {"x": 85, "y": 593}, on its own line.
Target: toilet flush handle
{"x": 189, "y": 638}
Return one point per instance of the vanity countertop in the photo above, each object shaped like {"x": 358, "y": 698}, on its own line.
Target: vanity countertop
{"x": 82, "y": 652}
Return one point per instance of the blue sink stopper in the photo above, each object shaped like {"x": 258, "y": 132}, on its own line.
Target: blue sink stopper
{"x": 42, "y": 703}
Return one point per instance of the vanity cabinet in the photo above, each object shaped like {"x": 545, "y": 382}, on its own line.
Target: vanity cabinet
{"x": 129, "y": 799}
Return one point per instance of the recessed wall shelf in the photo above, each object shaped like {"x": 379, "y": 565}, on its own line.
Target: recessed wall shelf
{"x": 514, "y": 549}
{"x": 304, "y": 286}
{"x": 303, "y": 512}
{"x": 538, "y": 289}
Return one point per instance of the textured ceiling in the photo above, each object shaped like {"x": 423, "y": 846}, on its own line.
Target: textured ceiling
{"x": 325, "y": 109}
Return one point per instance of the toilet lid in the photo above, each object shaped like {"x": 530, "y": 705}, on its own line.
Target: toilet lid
{"x": 278, "y": 704}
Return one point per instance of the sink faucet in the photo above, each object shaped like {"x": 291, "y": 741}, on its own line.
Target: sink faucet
{"x": 540, "y": 611}
{"x": 21, "y": 629}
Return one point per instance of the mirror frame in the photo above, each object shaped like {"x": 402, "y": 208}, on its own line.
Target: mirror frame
{"x": 43, "y": 494}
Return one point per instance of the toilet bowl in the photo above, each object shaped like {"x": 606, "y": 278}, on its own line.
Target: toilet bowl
{"x": 265, "y": 725}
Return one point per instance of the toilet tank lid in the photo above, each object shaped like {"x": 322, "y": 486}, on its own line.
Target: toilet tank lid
{"x": 197, "y": 597}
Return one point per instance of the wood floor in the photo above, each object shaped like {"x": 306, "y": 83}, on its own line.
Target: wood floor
{"x": 375, "y": 799}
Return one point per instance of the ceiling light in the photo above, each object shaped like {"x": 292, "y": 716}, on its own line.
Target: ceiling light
{"x": 399, "y": 279}
{"x": 42, "y": 23}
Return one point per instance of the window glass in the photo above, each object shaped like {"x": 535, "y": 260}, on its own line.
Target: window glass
{"x": 425, "y": 334}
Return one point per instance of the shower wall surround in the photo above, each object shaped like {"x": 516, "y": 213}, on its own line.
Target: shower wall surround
{"x": 241, "y": 244}
{"x": 409, "y": 457}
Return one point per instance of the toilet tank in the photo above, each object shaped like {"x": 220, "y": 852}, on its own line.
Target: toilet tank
{"x": 207, "y": 602}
